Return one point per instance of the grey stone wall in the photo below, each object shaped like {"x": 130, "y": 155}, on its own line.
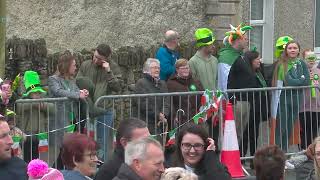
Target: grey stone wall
{"x": 295, "y": 18}
{"x": 26, "y": 54}
{"x": 78, "y": 24}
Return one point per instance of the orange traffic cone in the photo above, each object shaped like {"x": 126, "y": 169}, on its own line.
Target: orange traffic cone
{"x": 230, "y": 154}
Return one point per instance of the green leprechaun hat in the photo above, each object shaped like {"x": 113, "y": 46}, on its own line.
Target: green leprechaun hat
{"x": 204, "y": 37}
{"x": 32, "y": 83}
{"x": 281, "y": 44}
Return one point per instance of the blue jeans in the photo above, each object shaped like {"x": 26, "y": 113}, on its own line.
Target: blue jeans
{"x": 105, "y": 135}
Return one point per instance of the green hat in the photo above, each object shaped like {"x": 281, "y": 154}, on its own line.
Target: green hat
{"x": 311, "y": 57}
{"x": 281, "y": 44}
{"x": 32, "y": 83}
{"x": 10, "y": 113}
{"x": 204, "y": 37}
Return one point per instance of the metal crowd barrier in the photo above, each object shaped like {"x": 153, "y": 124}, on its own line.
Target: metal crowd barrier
{"x": 44, "y": 122}
{"x": 261, "y": 128}
{"x": 264, "y": 126}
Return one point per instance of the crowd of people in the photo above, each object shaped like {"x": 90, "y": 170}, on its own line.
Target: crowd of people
{"x": 195, "y": 154}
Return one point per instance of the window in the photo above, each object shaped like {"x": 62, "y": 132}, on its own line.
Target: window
{"x": 261, "y": 36}
{"x": 317, "y": 27}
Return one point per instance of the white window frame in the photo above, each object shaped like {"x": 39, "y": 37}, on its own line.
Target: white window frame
{"x": 267, "y": 24}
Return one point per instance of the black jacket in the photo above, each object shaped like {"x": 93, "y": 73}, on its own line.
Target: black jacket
{"x": 148, "y": 108}
{"x": 13, "y": 168}
{"x": 212, "y": 168}
{"x": 126, "y": 173}
{"x": 208, "y": 168}
{"x": 241, "y": 76}
{"x": 109, "y": 170}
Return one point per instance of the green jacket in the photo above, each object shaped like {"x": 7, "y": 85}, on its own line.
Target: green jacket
{"x": 204, "y": 70}
{"x": 105, "y": 83}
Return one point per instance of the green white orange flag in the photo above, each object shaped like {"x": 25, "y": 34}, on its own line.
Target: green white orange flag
{"x": 209, "y": 104}
{"x": 16, "y": 144}
{"x": 43, "y": 142}
{"x": 172, "y": 137}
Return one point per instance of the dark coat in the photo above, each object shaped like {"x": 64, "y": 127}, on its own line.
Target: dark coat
{"x": 148, "y": 108}
{"x": 191, "y": 103}
{"x": 109, "y": 170}
{"x": 212, "y": 168}
{"x": 208, "y": 168}
{"x": 13, "y": 168}
{"x": 305, "y": 170}
{"x": 126, "y": 173}
{"x": 241, "y": 76}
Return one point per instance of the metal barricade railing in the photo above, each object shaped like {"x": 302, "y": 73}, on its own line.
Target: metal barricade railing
{"x": 253, "y": 131}
{"x": 252, "y": 111}
{"x": 44, "y": 121}
{"x": 271, "y": 125}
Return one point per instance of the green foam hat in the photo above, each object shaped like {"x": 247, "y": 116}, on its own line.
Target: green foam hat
{"x": 32, "y": 83}
{"x": 281, "y": 44}
{"x": 204, "y": 37}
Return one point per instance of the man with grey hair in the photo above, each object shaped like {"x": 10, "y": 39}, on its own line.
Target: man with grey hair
{"x": 151, "y": 109}
{"x": 167, "y": 54}
{"x": 143, "y": 161}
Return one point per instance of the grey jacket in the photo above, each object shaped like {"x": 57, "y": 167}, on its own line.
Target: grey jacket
{"x": 126, "y": 173}
{"x": 66, "y": 111}
{"x": 305, "y": 171}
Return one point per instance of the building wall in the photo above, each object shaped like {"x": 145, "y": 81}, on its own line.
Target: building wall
{"x": 296, "y": 19}
{"x": 78, "y": 24}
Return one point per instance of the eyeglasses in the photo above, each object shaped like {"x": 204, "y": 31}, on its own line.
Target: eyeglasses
{"x": 93, "y": 155}
{"x": 188, "y": 146}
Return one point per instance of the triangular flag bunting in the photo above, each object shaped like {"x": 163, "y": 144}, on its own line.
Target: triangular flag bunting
{"x": 16, "y": 144}
{"x": 70, "y": 128}
{"x": 172, "y": 137}
{"x": 199, "y": 118}
{"x": 43, "y": 142}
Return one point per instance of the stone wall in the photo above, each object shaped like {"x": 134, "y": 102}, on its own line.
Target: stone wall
{"x": 75, "y": 24}
{"x": 26, "y": 54}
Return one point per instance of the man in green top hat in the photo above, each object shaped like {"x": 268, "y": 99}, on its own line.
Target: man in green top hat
{"x": 281, "y": 44}
{"x": 33, "y": 85}
{"x": 203, "y": 64}
{"x": 235, "y": 42}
